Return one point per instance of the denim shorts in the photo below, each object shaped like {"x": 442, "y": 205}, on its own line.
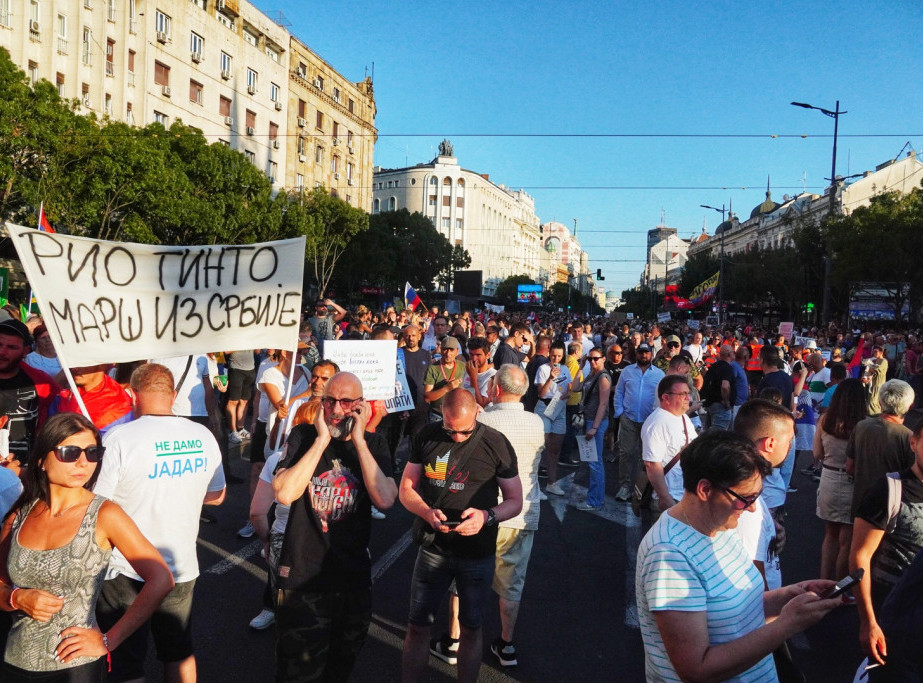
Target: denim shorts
{"x": 432, "y": 576}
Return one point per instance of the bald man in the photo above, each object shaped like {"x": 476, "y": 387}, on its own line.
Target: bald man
{"x": 451, "y": 482}
{"x": 324, "y": 575}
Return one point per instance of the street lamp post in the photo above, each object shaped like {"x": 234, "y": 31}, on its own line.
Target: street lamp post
{"x": 721, "y": 267}
{"x": 828, "y": 264}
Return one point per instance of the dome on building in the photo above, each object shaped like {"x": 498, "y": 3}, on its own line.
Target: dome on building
{"x": 724, "y": 227}
{"x": 768, "y": 206}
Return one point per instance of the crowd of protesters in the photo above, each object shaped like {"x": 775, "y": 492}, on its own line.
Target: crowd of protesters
{"x": 714, "y": 420}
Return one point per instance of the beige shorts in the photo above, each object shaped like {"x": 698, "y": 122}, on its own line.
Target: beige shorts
{"x": 514, "y": 547}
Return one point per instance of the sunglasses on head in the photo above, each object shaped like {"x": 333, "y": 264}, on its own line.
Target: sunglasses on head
{"x": 72, "y": 453}
{"x": 463, "y": 432}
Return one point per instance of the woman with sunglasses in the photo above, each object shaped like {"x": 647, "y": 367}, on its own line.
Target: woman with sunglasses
{"x": 701, "y": 603}
{"x": 55, "y": 544}
{"x": 595, "y": 387}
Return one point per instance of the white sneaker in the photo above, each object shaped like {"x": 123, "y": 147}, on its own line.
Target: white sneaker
{"x": 554, "y": 489}
{"x": 246, "y": 531}
{"x": 377, "y": 514}
{"x": 263, "y": 620}
{"x": 243, "y": 433}
{"x": 234, "y": 437}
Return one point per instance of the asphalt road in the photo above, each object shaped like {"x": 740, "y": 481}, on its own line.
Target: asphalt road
{"x": 576, "y": 623}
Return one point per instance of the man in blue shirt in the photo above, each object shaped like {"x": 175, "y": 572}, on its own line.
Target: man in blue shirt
{"x": 635, "y": 399}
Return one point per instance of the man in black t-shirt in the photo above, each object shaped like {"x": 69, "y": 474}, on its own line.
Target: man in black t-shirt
{"x": 719, "y": 390}
{"x": 451, "y": 482}
{"x": 508, "y": 351}
{"x": 324, "y": 571}
{"x": 542, "y": 349}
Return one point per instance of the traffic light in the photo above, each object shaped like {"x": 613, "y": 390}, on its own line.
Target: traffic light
{"x": 599, "y": 274}
{"x": 809, "y": 307}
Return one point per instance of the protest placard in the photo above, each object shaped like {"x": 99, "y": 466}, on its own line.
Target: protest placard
{"x": 664, "y": 317}
{"x": 786, "y": 329}
{"x": 402, "y": 399}
{"x": 107, "y": 302}
{"x": 373, "y": 362}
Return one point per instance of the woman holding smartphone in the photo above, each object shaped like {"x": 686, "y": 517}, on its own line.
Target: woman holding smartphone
{"x": 55, "y": 545}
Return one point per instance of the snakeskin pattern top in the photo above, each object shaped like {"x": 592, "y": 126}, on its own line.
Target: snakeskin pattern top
{"x": 76, "y": 571}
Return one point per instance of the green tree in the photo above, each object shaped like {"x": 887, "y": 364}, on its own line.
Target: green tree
{"x": 507, "y": 289}
{"x": 330, "y": 224}
{"x": 638, "y": 301}
{"x": 881, "y": 242}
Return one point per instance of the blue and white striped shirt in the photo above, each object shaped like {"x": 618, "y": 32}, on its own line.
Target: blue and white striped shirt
{"x": 680, "y": 569}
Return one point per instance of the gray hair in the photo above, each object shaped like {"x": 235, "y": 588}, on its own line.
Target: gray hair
{"x": 512, "y": 380}
{"x": 574, "y": 348}
{"x": 895, "y": 397}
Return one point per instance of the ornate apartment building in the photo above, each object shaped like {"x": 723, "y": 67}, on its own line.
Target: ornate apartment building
{"x": 221, "y": 66}
{"x": 495, "y": 224}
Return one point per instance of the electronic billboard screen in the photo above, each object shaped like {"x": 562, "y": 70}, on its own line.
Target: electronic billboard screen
{"x": 529, "y": 294}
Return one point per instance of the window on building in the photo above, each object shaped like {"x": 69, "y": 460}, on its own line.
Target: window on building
{"x": 302, "y": 108}
{"x": 349, "y": 171}
{"x": 85, "y": 50}
{"x": 59, "y": 83}
{"x": 392, "y": 204}
{"x": 273, "y": 92}
{"x": 251, "y": 157}
{"x": 251, "y": 119}
{"x": 85, "y": 93}
{"x": 446, "y": 200}
{"x": 376, "y": 205}
{"x": 390, "y": 183}
{"x": 300, "y": 145}
{"x": 33, "y": 10}
{"x": 273, "y": 171}
{"x": 108, "y": 105}
{"x": 299, "y": 182}
{"x": 320, "y": 83}
{"x": 196, "y": 43}
{"x": 302, "y": 69}
{"x": 226, "y": 20}
{"x": 351, "y": 106}
{"x": 447, "y": 181}
{"x": 273, "y": 131}
{"x": 433, "y": 180}
{"x": 5, "y": 12}
{"x": 61, "y": 25}
{"x": 226, "y": 62}
{"x": 161, "y": 118}
{"x": 110, "y": 10}
{"x": 199, "y": 3}
{"x": 349, "y": 138}
{"x": 131, "y": 61}
{"x": 320, "y": 120}
{"x": 460, "y": 202}
{"x": 272, "y": 53}
{"x": 161, "y": 73}
{"x": 319, "y": 155}
{"x": 252, "y": 78}
{"x": 110, "y": 56}
{"x": 129, "y": 115}
{"x": 432, "y": 200}
{"x": 251, "y": 37}
{"x": 459, "y": 224}
{"x": 224, "y": 105}
{"x": 226, "y": 143}
{"x": 162, "y": 23}
{"x": 397, "y": 183}
{"x": 461, "y": 182}
{"x": 336, "y": 130}
{"x": 446, "y": 223}
{"x": 334, "y": 163}
{"x": 195, "y": 92}
{"x": 336, "y": 95}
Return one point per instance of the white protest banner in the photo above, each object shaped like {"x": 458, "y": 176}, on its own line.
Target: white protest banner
{"x": 373, "y": 362}
{"x": 664, "y": 317}
{"x": 106, "y": 302}
{"x": 587, "y": 449}
{"x": 402, "y": 399}
{"x": 693, "y": 324}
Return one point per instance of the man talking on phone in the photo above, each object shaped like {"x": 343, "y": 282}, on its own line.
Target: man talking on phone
{"x": 332, "y": 473}
{"x": 451, "y": 481}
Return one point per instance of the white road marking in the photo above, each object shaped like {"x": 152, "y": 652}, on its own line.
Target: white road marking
{"x": 237, "y": 559}
{"x": 390, "y": 557}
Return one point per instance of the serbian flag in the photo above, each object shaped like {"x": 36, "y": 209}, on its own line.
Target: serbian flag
{"x": 411, "y": 298}
{"x": 43, "y": 223}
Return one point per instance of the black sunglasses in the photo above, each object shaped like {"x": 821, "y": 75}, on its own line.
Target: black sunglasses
{"x": 742, "y": 502}
{"x": 464, "y": 432}
{"x": 72, "y": 453}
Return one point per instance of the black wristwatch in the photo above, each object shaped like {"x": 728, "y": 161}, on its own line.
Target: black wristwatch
{"x": 491, "y": 517}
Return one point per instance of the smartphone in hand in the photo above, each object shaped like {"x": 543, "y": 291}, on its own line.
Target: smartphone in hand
{"x": 845, "y": 584}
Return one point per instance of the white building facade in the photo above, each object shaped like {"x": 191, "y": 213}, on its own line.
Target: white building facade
{"x": 496, "y": 225}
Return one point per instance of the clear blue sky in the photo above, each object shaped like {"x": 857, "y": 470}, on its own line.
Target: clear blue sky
{"x": 662, "y": 69}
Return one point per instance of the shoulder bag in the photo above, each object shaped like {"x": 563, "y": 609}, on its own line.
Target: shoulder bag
{"x": 643, "y": 490}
